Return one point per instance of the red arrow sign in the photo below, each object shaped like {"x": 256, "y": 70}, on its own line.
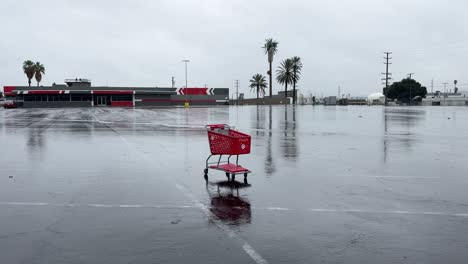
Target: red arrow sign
{"x": 194, "y": 91}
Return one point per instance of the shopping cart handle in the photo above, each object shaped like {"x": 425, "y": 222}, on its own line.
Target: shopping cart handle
{"x": 214, "y": 126}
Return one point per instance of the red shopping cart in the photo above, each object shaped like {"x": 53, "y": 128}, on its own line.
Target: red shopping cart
{"x": 224, "y": 140}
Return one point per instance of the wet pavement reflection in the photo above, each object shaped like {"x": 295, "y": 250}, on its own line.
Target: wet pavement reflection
{"x": 329, "y": 184}
{"x": 227, "y": 205}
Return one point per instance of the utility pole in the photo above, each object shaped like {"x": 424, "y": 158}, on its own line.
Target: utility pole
{"x": 432, "y": 86}
{"x": 387, "y": 59}
{"x": 445, "y": 90}
{"x": 237, "y": 91}
{"x": 410, "y": 97}
{"x": 173, "y": 82}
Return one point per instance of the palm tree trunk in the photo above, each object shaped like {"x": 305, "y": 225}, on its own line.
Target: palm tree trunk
{"x": 286, "y": 90}
{"x": 29, "y": 82}
{"x": 294, "y": 92}
{"x": 37, "y": 83}
{"x": 271, "y": 90}
{"x": 258, "y": 87}
{"x": 294, "y": 86}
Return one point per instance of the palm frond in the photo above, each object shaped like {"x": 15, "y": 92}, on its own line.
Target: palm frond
{"x": 258, "y": 81}
{"x": 38, "y": 67}
{"x": 28, "y": 68}
{"x": 285, "y": 73}
{"x": 297, "y": 68}
{"x": 270, "y": 47}
{"x": 27, "y": 64}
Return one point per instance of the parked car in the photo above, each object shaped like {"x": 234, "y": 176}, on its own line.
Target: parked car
{"x": 9, "y": 104}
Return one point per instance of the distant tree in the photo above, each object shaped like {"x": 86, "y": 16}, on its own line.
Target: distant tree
{"x": 28, "y": 69}
{"x": 38, "y": 71}
{"x": 405, "y": 90}
{"x": 285, "y": 74}
{"x": 258, "y": 83}
{"x": 297, "y": 67}
{"x": 270, "y": 47}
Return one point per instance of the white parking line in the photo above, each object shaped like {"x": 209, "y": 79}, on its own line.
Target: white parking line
{"x": 198, "y": 205}
{"x": 98, "y": 205}
{"x": 230, "y": 232}
{"x": 394, "y": 176}
{"x": 405, "y": 177}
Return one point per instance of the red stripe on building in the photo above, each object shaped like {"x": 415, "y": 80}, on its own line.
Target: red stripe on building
{"x": 10, "y": 94}
{"x": 112, "y": 92}
{"x": 194, "y": 91}
{"x": 8, "y": 89}
{"x": 122, "y": 103}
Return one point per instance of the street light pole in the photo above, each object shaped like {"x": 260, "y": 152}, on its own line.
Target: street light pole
{"x": 186, "y": 61}
{"x": 185, "y": 91}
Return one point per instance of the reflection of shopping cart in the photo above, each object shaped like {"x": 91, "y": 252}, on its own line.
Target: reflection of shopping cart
{"x": 228, "y": 207}
{"x": 226, "y": 141}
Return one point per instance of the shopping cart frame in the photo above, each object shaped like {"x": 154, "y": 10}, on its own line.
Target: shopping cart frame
{"x": 230, "y": 169}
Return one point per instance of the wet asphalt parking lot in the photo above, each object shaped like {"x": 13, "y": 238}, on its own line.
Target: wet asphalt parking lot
{"x": 329, "y": 185}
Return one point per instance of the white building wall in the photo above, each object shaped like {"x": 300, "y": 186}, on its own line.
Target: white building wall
{"x": 448, "y": 101}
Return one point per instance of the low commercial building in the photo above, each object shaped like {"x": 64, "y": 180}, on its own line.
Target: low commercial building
{"x": 80, "y": 93}
{"x": 329, "y": 100}
{"x": 376, "y": 99}
{"x": 352, "y": 101}
{"x": 446, "y": 99}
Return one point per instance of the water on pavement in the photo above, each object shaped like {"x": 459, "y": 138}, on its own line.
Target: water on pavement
{"x": 329, "y": 185}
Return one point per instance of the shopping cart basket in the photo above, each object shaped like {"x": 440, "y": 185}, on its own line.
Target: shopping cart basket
{"x": 224, "y": 140}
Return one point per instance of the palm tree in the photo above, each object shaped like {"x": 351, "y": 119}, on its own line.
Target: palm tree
{"x": 270, "y": 47}
{"x": 285, "y": 74}
{"x": 258, "y": 83}
{"x": 28, "y": 69}
{"x": 38, "y": 71}
{"x": 297, "y": 67}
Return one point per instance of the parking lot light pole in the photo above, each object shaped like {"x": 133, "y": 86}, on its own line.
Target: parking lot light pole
{"x": 185, "y": 91}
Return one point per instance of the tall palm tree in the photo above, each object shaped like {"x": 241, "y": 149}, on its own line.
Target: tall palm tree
{"x": 270, "y": 47}
{"x": 258, "y": 83}
{"x": 38, "y": 71}
{"x": 28, "y": 69}
{"x": 297, "y": 67}
{"x": 285, "y": 75}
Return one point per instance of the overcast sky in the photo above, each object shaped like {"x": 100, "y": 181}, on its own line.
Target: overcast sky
{"x": 142, "y": 43}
